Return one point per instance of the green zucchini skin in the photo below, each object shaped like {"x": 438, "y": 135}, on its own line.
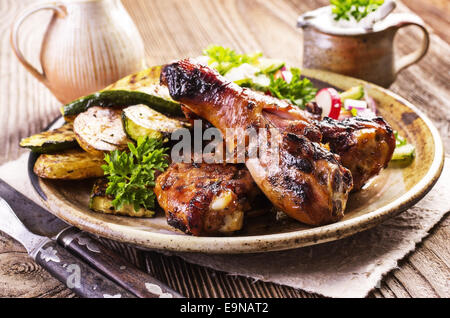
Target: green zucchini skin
{"x": 51, "y": 147}
{"x": 138, "y": 88}
{"x": 101, "y": 202}
{"x": 134, "y": 131}
{"x": 140, "y": 121}
{"x": 122, "y": 98}
{"x": 51, "y": 141}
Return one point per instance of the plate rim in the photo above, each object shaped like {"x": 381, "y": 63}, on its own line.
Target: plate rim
{"x": 266, "y": 242}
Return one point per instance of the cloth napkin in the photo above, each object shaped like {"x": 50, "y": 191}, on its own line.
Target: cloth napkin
{"x": 350, "y": 267}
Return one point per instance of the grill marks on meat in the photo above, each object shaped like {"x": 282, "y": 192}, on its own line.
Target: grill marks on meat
{"x": 365, "y": 146}
{"x": 306, "y": 181}
{"x": 205, "y": 199}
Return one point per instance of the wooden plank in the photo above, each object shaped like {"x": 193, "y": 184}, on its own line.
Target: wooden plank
{"x": 434, "y": 243}
{"x": 435, "y": 13}
{"x": 20, "y": 276}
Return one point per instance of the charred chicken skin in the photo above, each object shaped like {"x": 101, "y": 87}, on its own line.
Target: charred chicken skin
{"x": 305, "y": 180}
{"x": 371, "y": 141}
{"x": 205, "y": 199}
{"x": 365, "y": 146}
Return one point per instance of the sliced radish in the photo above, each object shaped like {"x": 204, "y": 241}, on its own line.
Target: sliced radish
{"x": 330, "y": 102}
{"x": 278, "y": 74}
{"x": 287, "y": 76}
{"x": 284, "y": 74}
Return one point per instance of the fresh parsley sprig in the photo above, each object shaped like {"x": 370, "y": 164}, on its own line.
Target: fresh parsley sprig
{"x": 223, "y": 59}
{"x": 298, "y": 91}
{"x": 131, "y": 175}
{"x": 358, "y": 9}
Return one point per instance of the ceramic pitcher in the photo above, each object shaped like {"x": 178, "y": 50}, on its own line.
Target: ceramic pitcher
{"x": 367, "y": 54}
{"x": 88, "y": 45}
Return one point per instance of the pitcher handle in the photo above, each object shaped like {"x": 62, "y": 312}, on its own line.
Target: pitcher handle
{"x": 411, "y": 58}
{"x": 14, "y": 37}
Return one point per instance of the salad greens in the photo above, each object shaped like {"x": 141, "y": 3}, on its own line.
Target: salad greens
{"x": 131, "y": 175}
{"x": 358, "y": 9}
{"x": 298, "y": 91}
{"x": 266, "y": 75}
{"x": 224, "y": 59}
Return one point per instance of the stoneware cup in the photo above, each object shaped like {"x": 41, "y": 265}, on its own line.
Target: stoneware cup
{"x": 367, "y": 55}
{"x": 88, "y": 45}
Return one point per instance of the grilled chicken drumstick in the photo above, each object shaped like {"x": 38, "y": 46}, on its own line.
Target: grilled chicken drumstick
{"x": 365, "y": 146}
{"x": 306, "y": 181}
{"x": 205, "y": 199}
{"x": 372, "y": 141}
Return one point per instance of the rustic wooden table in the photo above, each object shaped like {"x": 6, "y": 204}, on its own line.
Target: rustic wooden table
{"x": 172, "y": 29}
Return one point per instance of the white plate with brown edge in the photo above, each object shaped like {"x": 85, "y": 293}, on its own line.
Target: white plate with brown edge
{"x": 393, "y": 191}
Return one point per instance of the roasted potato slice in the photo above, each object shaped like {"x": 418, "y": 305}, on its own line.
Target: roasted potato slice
{"x": 71, "y": 164}
{"x": 100, "y": 130}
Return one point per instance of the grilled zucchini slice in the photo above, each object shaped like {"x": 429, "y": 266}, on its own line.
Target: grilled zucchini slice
{"x": 139, "y": 88}
{"x": 100, "y": 130}
{"x": 140, "y": 121}
{"x": 101, "y": 202}
{"x": 52, "y": 140}
{"x": 404, "y": 152}
{"x": 71, "y": 164}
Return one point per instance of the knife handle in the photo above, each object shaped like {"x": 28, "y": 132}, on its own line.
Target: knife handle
{"x": 76, "y": 275}
{"x": 114, "y": 266}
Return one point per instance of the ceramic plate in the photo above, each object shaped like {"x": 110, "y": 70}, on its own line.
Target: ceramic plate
{"x": 393, "y": 191}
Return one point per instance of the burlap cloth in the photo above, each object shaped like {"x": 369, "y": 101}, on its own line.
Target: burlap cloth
{"x": 350, "y": 267}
